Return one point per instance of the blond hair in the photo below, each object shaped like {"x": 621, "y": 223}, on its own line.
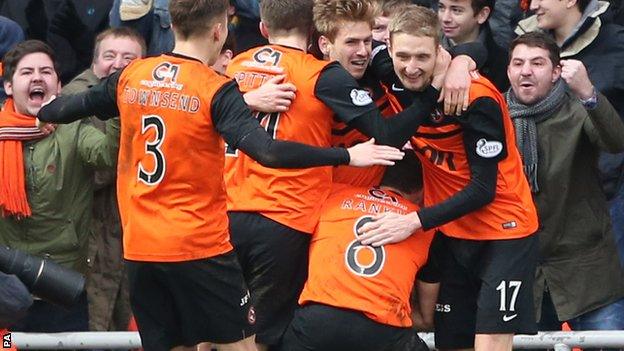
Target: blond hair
{"x": 416, "y": 20}
{"x": 329, "y": 14}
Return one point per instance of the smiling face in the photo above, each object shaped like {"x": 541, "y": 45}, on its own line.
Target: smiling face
{"x": 551, "y": 14}
{"x": 351, "y": 47}
{"x": 414, "y": 59}
{"x": 459, "y": 21}
{"x": 531, "y": 73}
{"x": 33, "y": 83}
{"x": 113, "y": 54}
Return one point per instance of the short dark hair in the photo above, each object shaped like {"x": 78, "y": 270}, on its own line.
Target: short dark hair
{"x": 537, "y": 39}
{"x": 119, "y": 32}
{"x": 405, "y": 175}
{"x": 582, "y": 4}
{"x": 286, "y": 15}
{"x": 14, "y": 56}
{"x": 478, "y": 5}
{"x": 191, "y": 17}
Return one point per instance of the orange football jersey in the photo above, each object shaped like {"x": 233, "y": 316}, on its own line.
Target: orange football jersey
{"x": 345, "y": 136}
{"x": 441, "y": 150}
{"x": 344, "y": 273}
{"x": 171, "y": 208}
{"x": 292, "y": 197}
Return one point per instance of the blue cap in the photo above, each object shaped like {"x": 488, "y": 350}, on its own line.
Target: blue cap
{"x": 10, "y": 34}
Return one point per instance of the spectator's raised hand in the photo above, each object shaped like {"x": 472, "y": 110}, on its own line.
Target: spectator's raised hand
{"x": 46, "y": 128}
{"x": 574, "y": 73}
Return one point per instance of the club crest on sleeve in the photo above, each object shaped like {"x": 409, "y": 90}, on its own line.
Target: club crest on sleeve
{"x": 360, "y": 97}
{"x": 488, "y": 149}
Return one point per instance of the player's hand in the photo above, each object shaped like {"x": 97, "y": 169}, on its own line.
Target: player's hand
{"x": 456, "y": 88}
{"x": 44, "y": 127}
{"x": 368, "y": 154}
{"x": 272, "y": 96}
{"x": 443, "y": 59}
{"x": 575, "y": 74}
{"x": 389, "y": 228}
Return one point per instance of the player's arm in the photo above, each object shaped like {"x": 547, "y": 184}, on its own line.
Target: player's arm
{"x": 352, "y": 105}
{"x": 482, "y": 123}
{"x": 232, "y": 118}
{"x": 99, "y": 100}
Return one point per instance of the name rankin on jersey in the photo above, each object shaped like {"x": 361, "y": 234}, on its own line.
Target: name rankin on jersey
{"x": 371, "y": 207}
{"x": 166, "y": 99}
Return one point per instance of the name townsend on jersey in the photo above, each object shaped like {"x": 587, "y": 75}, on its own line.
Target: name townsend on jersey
{"x": 166, "y": 99}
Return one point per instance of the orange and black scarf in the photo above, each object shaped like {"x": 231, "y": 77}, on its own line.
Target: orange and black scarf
{"x": 14, "y": 128}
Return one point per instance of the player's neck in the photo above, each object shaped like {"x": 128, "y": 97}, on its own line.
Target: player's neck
{"x": 415, "y": 197}
{"x": 201, "y": 50}
{"x": 293, "y": 40}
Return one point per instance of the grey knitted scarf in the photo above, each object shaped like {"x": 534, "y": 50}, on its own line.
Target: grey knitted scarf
{"x": 525, "y": 118}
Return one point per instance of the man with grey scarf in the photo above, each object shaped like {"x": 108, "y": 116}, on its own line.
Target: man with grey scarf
{"x": 562, "y": 124}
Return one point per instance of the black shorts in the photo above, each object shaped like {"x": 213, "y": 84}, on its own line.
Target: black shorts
{"x": 317, "y": 327}
{"x": 274, "y": 259}
{"x": 486, "y": 287}
{"x": 185, "y": 303}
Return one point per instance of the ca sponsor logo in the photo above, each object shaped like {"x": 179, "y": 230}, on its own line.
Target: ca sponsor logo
{"x": 443, "y": 308}
{"x": 488, "y": 149}
{"x": 166, "y": 72}
{"x": 382, "y": 195}
{"x": 360, "y": 97}
{"x": 6, "y": 341}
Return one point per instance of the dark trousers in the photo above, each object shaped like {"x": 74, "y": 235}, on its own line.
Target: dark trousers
{"x": 46, "y": 317}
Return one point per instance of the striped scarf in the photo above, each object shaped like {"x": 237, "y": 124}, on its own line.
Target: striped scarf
{"x": 525, "y": 119}
{"x": 14, "y": 129}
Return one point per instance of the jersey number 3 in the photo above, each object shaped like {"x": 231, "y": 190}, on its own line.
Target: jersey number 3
{"x": 153, "y": 148}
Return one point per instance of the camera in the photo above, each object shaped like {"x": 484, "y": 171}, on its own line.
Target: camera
{"x": 43, "y": 278}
